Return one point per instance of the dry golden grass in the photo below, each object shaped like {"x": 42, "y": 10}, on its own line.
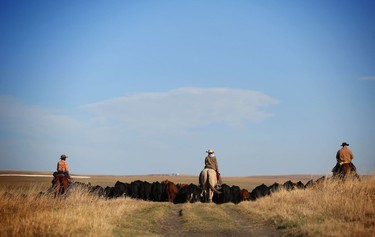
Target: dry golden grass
{"x": 333, "y": 209}
{"x": 31, "y": 215}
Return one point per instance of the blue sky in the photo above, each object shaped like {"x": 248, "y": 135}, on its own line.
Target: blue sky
{"x": 144, "y": 87}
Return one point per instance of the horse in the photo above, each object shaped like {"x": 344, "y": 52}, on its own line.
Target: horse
{"x": 208, "y": 181}
{"x": 345, "y": 171}
{"x": 60, "y": 184}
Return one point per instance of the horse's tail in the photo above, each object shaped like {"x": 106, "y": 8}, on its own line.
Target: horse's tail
{"x": 214, "y": 189}
{"x": 200, "y": 178}
{"x": 211, "y": 186}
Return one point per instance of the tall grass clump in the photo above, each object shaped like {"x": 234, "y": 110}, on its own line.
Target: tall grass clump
{"x": 28, "y": 213}
{"x": 333, "y": 208}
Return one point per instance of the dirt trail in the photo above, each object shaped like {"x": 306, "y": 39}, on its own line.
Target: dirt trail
{"x": 239, "y": 226}
{"x": 250, "y": 227}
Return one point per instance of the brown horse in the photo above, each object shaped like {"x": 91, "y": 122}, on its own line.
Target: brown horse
{"x": 345, "y": 171}
{"x": 60, "y": 184}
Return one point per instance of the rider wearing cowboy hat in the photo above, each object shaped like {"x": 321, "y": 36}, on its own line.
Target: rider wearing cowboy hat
{"x": 344, "y": 155}
{"x": 62, "y": 167}
{"x": 210, "y": 162}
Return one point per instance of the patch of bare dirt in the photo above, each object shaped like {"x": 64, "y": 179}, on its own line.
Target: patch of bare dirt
{"x": 173, "y": 226}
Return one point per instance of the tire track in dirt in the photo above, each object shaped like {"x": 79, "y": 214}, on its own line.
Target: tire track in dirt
{"x": 250, "y": 227}
{"x": 173, "y": 224}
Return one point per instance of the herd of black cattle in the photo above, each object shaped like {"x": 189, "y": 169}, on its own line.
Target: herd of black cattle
{"x": 168, "y": 191}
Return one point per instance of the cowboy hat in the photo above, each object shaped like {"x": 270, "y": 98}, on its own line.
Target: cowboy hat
{"x": 63, "y": 156}
{"x": 344, "y": 144}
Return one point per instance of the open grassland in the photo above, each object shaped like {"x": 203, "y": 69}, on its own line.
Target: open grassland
{"x": 330, "y": 209}
{"x": 248, "y": 182}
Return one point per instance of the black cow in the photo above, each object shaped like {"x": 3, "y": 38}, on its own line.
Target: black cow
{"x": 81, "y": 185}
{"x": 136, "y": 189}
{"x": 182, "y": 194}
{"x": 95, "y": 190}
{"x": 275, "y": 187}
{"x": 236, "y": 194}
{"x": 320, "y": 180}
{"x": 289, "y": 185}
{"x": 309, "y": 184}
{"x": 122, "y": 189}
{"x": 146, "y": 190}
{"x": 157, "y": 192}
{"x": 223, "y": 197}
{"x": 300, "y": 185}
{"x": 260, "y": 191}
{"x": 110, "y": 192}
{"x": 188, "y": 193}
{"x": 195, "y": 193}
{"x": 98, "y": 190}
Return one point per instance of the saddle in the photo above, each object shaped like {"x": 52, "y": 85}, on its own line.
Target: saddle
{"x": 338, "y": 166}
{"x": 57, "y": 175}
{"x": 59, "y": 178}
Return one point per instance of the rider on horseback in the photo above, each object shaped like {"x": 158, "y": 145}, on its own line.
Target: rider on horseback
{"x": 344, "y": 156}
{"x": 211, "y": 162}
{"x": 62, "y": 168}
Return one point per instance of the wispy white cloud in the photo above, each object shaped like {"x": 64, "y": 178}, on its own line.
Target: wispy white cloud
{"x": 32, "y": 136}
{"x": 119, "y": 128}
{"x": 33, "y": 120}
{"x": 368, "y": 78}
{"x": 164, "y": 112}
{"x": 183, "y": 108}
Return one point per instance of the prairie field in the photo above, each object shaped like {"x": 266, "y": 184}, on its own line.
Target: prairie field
{"x": 328, "y": 209}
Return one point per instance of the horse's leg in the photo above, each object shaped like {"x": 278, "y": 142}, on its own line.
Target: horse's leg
{"x": 205, "y": 195}
{"x": 66, "y": 185}
{"x": 62, "y": 189}
{"x": 211, "y": 184}
{"x": 347, "y": 171}
{"x": 210, "y": 195}
{"x": 340, "y": 173}
{"x": 62, "y": 185}
{"x": 205, "y": 185}
{"x": 57, "y": 189}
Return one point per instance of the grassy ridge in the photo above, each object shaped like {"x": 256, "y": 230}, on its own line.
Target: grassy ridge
{"x": 332, "y": 209}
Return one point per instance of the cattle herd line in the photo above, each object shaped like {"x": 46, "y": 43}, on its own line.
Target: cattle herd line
{"x": 167, "y": 191}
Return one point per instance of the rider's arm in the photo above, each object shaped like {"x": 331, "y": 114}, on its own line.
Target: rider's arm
{"x": 66, "y": 167}
{"x": 217, "y": 165}
{"x": 338, "y": 156}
